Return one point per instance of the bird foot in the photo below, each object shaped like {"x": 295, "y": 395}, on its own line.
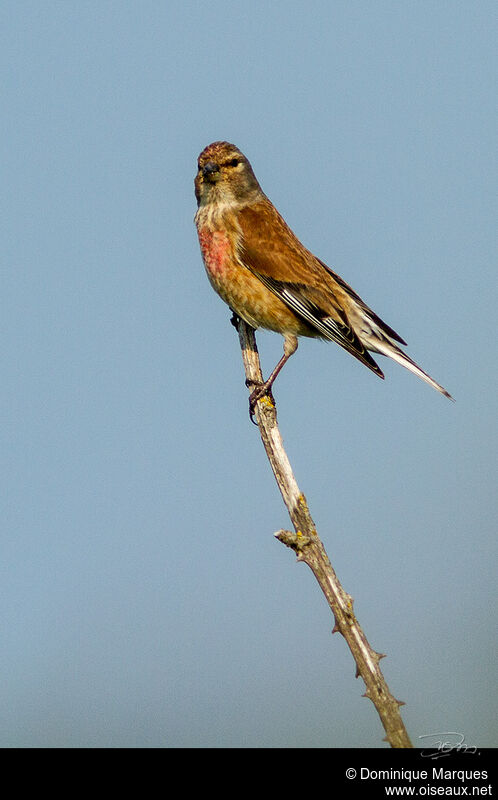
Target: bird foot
{"x": 261, "y": 389}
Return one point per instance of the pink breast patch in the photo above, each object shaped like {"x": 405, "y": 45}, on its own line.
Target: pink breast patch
{"x": 215, "y": 246}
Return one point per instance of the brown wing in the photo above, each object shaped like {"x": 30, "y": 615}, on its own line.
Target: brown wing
{"x": 272, "y": 252}
{"x": 273, "y": 249}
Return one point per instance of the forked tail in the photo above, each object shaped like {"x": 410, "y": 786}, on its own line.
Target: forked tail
{"x": 392, "y": 351}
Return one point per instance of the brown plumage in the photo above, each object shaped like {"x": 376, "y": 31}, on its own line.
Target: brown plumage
{"x": 266, "y": 275}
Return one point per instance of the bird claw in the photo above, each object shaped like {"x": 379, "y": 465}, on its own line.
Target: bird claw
{"x": 262, "y": 389}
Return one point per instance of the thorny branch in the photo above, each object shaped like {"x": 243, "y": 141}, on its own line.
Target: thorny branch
{"x": 304, "y": 540}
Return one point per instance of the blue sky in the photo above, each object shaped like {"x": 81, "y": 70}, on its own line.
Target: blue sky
{"x": 145, "y": 602}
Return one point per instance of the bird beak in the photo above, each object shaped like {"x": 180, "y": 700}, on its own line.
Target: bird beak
{"x": 211, "y": 172}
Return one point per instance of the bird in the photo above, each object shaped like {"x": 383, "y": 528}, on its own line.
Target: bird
{"x": 268, "y": 278}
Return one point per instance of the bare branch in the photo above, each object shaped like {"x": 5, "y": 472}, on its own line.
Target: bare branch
{"x": 304, "y": 540}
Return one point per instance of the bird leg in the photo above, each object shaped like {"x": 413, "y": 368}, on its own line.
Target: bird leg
{"x": 264, "y": 388}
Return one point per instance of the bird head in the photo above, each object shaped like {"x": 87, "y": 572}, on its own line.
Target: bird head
{"x": 224, "y": 175}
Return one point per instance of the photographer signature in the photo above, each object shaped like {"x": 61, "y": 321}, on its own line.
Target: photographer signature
{"x": 445, "y": 743}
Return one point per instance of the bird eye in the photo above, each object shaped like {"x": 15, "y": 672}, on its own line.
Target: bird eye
{"x": 234, "y": 162}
